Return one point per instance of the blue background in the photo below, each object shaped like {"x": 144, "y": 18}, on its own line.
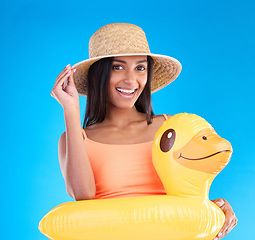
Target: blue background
{"x": 214, "y": 41}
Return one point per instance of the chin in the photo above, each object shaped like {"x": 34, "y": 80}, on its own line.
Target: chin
{"x": 123, "y": 103}
{"x": 124, "y": 106}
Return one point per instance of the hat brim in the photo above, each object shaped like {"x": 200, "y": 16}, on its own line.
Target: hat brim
{"x": 165, "y": 70}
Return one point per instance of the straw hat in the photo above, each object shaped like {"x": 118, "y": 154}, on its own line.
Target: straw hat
{"x": 123, "y": 39}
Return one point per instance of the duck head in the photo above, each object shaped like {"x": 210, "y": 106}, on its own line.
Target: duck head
{"x": 188, "y": 154}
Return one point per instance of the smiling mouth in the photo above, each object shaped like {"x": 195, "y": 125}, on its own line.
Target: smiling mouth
{"x": 126, "y": 91}
{"x": 203, "y": 157}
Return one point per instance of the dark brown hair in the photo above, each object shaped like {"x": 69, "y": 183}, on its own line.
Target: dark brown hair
{"x": 98, "y": 79}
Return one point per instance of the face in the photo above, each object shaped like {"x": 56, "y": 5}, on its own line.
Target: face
{"x": 127, "y": 80}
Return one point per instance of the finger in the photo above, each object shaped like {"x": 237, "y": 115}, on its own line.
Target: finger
{"x": 231, "y": 225}
{"x": 58, "y": 89}
{"x": 65, "y": 83}
{"x": 230, "y": 218}
{"x": 71, "y": 79}
{"x": 53, "y": 94}
{"x": 64, "y": 71}
{"x": 226, "y": 208}
{"x": 219, "y": 202}
{"x": 60, "y": 81}
{"x": 227, "y": 223}
{"x": 223, "y": 234}
{"x": 235, "y": 223}
{"x": 63, "y": 75}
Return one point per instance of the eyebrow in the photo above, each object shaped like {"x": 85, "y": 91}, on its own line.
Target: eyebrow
{"x": 116, "y": 60}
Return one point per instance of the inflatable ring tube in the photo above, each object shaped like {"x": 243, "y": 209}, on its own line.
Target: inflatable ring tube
{"x": 187, "y": 154}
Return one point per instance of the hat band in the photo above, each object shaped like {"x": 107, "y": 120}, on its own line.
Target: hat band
{"x": 114, "y": 52}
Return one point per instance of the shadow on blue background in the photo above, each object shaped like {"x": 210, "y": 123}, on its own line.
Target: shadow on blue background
{"x": 214, "y": 41}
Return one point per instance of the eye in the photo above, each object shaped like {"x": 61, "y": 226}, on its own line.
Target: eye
{"x": 167, "y": 140}
{"x": 117, "y": 67}
{"x": 204, "y": 138}
{"x": 140, "y": 68}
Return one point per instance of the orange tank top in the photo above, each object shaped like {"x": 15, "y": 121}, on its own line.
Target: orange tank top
{"x": 123, "y": 170}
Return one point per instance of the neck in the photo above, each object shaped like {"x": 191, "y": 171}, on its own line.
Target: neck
{"x": 121, "y": 117}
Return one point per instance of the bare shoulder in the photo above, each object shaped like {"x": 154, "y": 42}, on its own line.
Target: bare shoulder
{"x": 99, "y": 131}
{"x": 94, "y": 129}
{"x": 159, "y": 119}
{"x": 162, "y": 116}
{"x": 94, "y": 126}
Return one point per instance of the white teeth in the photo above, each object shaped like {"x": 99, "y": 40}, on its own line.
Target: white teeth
{"x": 126, "y": 91}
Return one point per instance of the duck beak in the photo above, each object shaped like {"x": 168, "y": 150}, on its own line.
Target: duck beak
{"x": 206, "y": 152}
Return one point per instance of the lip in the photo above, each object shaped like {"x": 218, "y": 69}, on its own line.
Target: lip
{"x": 126, "y": 94}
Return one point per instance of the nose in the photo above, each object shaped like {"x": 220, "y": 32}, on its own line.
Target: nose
{"x": 130, "y": 77}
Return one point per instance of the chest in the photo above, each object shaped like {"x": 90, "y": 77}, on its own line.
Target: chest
{"x": 133, "y": 134}
{"x": 122, "y": 136}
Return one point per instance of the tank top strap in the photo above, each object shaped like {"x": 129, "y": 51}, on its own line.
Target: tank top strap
{"x": 165, "y": 116}
{"x": 84, "y": 134}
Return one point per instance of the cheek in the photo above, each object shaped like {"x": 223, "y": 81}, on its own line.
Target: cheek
{"x": 110, "y": 91}
{"x": 114, "y": 79}
{"x": 143, "y": 82}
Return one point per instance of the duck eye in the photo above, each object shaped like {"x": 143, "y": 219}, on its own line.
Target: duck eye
{"x": 204, "y": 138}
{"x": 167, "y": 140}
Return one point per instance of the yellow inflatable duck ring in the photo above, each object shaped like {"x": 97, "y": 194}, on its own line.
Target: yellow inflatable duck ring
{"x": 187, "y": 155}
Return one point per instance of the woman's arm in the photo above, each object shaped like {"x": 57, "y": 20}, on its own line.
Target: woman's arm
{"x": 230, "y": 221}
{"x": 74, "y": 162}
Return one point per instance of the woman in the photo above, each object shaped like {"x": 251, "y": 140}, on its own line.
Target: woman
{"x": 104, "y": 159}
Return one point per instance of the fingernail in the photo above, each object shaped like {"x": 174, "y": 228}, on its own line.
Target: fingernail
{"x": 74, "y": 70}
{"x": 219, "y": 234}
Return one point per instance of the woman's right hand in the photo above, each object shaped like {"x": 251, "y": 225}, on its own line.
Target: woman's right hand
{"x": 64, "y": 90}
